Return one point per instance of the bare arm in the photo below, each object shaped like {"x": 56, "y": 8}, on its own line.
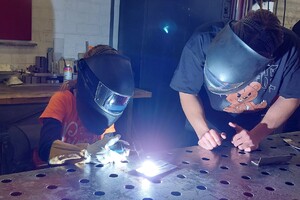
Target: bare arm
{"x": 192, "y": 107}
{"x": 277, "y": 114}
{"x": 194, "y": 112}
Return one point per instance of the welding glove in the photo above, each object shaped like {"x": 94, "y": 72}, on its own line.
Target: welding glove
{"x": 102, "y": 151}
{"x": 99, "y": 151}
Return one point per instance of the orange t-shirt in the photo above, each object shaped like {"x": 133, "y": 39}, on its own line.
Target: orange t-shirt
{"x": 62, "y": 106}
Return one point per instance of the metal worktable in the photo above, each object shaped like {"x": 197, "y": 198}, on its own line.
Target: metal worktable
{"x": 225, "y": 173}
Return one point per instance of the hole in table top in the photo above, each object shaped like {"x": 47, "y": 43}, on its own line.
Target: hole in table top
{"x": 40, "y": 175}
{"x": 15, "y": 194}
{"x": 289, "y": 183}
{"x": 242, "y": 152}
{"x": 269, "y": 188}
{"x": 175, "y": 193}
{"x": 224, "y": 182}
{"x": 243, "y": 164}
{"x": 246, "y": 177}
{"x": 84, "y": 180}
{"x": 248, "y": 194}
{"x": 129, "y": 187}
{"x": 273, "y": 147}
{"x": 202, "y": 171}
{"x": 204, "y": 158}
{"x": 113, "y": 175}
{"x": 186, "y": 162}
{"x": 99, "y": 165}
{"x": 201, "y": 187}
{"x": 99, "y": 193}
{"x": 224, "y": 156}
{"x": 283, "y": 169}
{"x": 258, "y": 150}
{"x": 298, "y": 165}
{"x": 155, "y": 180}
{"x": 6, "y": 180}
{"x": 181, "y": 176}
{"x": 265, "y": 173}
{"x": 224, "y": 167}
{"x": 124, "y": 161}
{"x": 71, "y": 170}
{"x": 189, "y": 151}
{"x": 51, "y": 187}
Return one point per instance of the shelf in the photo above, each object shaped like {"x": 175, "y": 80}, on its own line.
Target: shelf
{"x": 17, "y": 43}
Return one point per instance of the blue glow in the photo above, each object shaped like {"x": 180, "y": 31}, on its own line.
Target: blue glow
{"x": 166, "y": 29}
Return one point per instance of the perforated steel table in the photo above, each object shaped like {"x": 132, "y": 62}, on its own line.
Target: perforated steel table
{"x": 225, "y": 173}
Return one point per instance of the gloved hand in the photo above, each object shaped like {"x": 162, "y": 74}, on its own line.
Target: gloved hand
{"x": 100, "y": 151}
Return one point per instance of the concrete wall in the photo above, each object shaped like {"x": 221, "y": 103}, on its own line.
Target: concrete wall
{"x": 64, "y": 25}
{"x": 292, "y": 14}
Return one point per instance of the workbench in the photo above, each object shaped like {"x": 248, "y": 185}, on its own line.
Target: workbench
{"x": 224, "y": 173}
{"x": 40, "y": 93}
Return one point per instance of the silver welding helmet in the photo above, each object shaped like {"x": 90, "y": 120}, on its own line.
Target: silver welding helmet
{"x": 230, "y": 63}
{"x": 104, "y": 87}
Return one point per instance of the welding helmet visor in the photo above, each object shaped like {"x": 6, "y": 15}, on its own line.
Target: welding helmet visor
{"x": 230, "y": 63}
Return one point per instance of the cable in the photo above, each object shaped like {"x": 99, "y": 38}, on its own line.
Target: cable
{"x": 284, "y": 9}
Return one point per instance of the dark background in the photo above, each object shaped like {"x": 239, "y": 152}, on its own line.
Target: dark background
{"x": 153, "y": 33}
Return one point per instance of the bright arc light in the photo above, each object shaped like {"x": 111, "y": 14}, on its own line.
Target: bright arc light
{"x": 148, "y": 168}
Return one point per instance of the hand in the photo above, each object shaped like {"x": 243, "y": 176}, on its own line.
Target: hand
{"x": 211, "y": 139}
{"x": 100, "y": 151}
{"x": 102, "y": 145}
{"x": 243, "y": 139}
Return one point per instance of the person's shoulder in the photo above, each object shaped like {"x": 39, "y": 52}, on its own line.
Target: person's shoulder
{"x": 291, "y": 42}
{"x": 210, "y": 27}
{"x": 204, "y": 33}
{"x": 64, "y": 95}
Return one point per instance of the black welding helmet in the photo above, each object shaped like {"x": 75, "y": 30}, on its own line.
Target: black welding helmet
{"x": 230, "y": 63}
{"x": 104, "y": 87}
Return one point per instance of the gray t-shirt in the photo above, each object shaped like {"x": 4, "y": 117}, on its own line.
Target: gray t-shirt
{"x": 280, "y": 78}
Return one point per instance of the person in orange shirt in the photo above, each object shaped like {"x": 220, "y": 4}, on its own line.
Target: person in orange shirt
{"x": 78, "y": 119}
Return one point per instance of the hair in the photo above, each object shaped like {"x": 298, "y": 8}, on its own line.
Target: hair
{"x": 96, "y": 50}
{"x": 260, "y": 30}
{"x": 100, "y": 49}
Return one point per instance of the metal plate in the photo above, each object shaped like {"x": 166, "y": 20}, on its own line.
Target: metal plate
{"x": 225, "y": 173}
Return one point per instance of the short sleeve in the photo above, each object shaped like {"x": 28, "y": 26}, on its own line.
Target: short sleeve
{"x": 188, "y": 77}
{"x": 291, "y": 77}
{"x": 57, "y": 106}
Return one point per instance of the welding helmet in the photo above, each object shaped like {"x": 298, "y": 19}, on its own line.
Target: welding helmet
{"x": 104, "y": 87}
{"x": 230, "y": 63}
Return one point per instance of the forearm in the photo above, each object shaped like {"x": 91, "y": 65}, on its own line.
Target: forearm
{"x": 276, "y": 116}
{"x": 194, "y": 112}
{"x": 51, "y": 131}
